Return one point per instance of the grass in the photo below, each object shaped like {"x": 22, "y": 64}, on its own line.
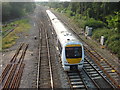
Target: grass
{"x": 10, "y": 39}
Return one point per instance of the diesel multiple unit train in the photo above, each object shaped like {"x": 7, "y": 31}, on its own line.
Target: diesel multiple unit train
{"x": 71, "y": 49}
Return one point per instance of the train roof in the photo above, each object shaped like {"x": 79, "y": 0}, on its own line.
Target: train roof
{"x": 51, "y": 15}
{"x": 63, "y": 33}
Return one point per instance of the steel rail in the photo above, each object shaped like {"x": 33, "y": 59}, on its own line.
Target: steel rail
{"x": 13, "y": 76}
{"x": 102, "y": 68}
{"x": 101, "y": 75}
{"x": 9, "y": 66}
{"x": 48, "y": 56}
{"x": 23, "y": 54}
{"x": 16, "y": 81}
{"x": 39, "y": 54}
{"x": 10, "y": 77}
{"x": 5, "y": 72}
{"x": 91, "y": 79}
{"x": 50, "y": 65}
{"x": 100, "y": 57}
{"x": 109, "y": 85}
{"x": 78, "y": 80}
{"x": 39, "y": 60}
{"x": 16, "y": 53}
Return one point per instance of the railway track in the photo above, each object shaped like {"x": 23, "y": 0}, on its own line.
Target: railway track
{"x": 8, "y": 31}
{"x": 11, "y": 75}
{"x": 96, "y": 75}
{"x": 75, "y": 80}
{"x": 106, "y": 67}
{"x": 44, "y": 77}
{"x": 110, "y": 71}
{"x": 89, "y": 77}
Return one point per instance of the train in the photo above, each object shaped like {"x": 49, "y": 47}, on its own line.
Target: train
{"x": 71, "y": 49}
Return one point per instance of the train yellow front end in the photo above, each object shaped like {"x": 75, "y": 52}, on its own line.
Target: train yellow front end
{"x": 73, "y": 57}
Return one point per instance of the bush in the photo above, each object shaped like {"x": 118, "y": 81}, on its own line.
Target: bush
{"x": 114, "y": 47}
{"x": 94, "y": 23}
{"x": 97, "y": 33}
{"x": 112, "y": 39}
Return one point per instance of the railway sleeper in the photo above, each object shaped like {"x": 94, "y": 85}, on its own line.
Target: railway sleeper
{"x": 91, "y": 69}
{"x": 108, "y": 69}
{"x": 87, "y": 67}
{"x": 72, "y": 77}
{"x": 72, "y": 74}
{"x": 105, "y": 66}
{"x": 76, "y": 83}
{"x": 116, "y": 76}
{"x": 93, "y": 72}
{"x": 117, "y": 79}
{"x": 96, "y": 77}
{"x": 78, "y": 86}
{"x": 85, "y": 62}
{"x": 75, "y": 80}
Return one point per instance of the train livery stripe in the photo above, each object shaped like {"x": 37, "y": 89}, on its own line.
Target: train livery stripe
{"x": 73, "y": 60}
{"x": 73, "y": 45}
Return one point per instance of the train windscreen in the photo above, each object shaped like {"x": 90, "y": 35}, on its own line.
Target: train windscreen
{"x": 73, "y": 52}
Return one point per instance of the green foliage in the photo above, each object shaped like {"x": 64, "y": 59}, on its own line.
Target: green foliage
{"x": 94, "y": 23}
{"x": 113, "y": 21}
{"x": 13, "y": 10}
{"x": 97, "y": 33}
{"x": 112, "y": 39}
{"x": 10, "y": 39}
{"x": 114, "y": 47}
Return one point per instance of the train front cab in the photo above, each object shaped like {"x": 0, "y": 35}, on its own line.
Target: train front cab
{"x": 73, "y": 57}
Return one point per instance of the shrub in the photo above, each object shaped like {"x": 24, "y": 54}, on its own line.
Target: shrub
{"x": 114, "y": 46}
{"x": 94, "y": 23}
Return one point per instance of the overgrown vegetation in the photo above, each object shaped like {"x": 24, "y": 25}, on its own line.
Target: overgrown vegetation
{"x": 10, "y": 39}
{"x": 10, "y": 12}
{"x": 13, "y": 10}
{"x": 102, "y": 16}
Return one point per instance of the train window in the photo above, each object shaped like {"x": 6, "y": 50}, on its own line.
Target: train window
{"x": 73, "y": 52}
